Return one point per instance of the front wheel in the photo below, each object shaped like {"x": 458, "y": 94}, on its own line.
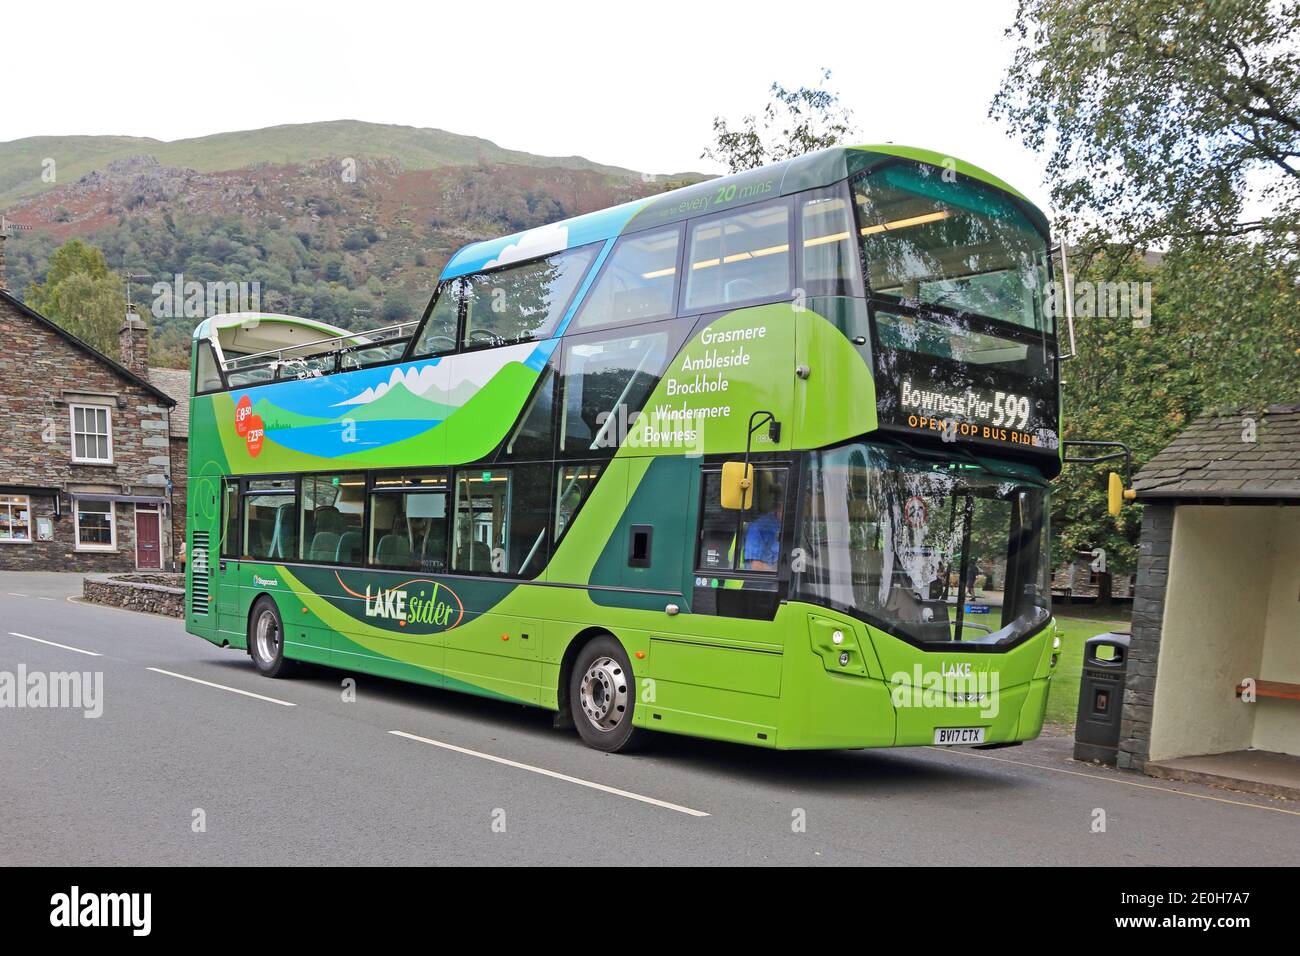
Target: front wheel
{"x": 266, "y": 639}
{"x": 602, "y": 697}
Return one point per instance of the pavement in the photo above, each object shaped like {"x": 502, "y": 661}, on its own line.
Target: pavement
{"x": 198, "y": 760}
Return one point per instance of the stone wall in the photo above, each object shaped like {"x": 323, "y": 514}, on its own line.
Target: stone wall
{"x": 178, "y": 451}
{"x": 1144, "y": 645}
{"x": 119, "y": 590}
{"x": 1078, "y": 580}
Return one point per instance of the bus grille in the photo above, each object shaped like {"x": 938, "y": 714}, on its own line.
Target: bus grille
{"x": 199, "y": 573}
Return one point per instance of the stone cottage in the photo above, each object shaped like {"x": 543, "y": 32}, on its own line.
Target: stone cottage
{"x": 88, "y": 480}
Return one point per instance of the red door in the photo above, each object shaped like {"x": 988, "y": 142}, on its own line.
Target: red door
{"x": 148, "y": 553}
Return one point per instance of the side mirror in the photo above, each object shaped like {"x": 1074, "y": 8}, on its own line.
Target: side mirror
{"x": 737, "y": 485}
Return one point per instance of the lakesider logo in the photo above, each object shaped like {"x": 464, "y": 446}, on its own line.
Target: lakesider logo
{"x": 953, "y": 685}
{"x": 37, "y": 690}
{"x": 75, "y": 909}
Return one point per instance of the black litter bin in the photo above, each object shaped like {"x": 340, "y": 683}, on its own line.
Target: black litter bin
{"x": 1101, "y": 697}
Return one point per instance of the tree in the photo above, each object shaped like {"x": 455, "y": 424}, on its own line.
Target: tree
{"x": 1166, "y": 120}
{"x": 82, "y": 295}
{"x": 1173, "y": 126}
{"x": 793, "y": 122}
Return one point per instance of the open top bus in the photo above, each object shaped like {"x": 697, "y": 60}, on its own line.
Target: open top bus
{"x": 764, "y": 459}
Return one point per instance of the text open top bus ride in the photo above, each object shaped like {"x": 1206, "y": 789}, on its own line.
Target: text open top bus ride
{"x": 763, "y": 459}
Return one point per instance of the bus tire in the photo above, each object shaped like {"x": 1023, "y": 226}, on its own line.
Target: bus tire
{"x": 602, "y": 697}
{"x": 266, "y": 639}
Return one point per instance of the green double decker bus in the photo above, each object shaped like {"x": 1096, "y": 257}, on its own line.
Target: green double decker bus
{"x": 764, "y": 459}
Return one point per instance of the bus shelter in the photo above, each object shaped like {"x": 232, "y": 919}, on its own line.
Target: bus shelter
{"x": 1213, "y": 689}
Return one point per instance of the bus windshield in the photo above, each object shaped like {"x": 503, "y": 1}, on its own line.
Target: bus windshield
{"x": 931, "y": 551}
{"x": 956, "y": 244}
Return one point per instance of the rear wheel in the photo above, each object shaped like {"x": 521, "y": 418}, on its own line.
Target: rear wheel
{"x": 602, "y": 697}
{"x": 266, "y": 639}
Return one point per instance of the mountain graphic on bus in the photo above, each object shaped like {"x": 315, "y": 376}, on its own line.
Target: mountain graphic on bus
{"x": 369, "y": 412}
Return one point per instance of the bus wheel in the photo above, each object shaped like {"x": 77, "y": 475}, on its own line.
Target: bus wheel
{"x": 266, "y": 639}
{"x": 602, "y": 697}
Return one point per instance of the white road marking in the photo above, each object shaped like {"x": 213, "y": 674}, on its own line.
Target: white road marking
{"x": 41, "y": 640}
{"x": 554, "y": 774}
{"x": 16, "y": 594}
{"x": 233, "y": 690}
{"x": 39, "y": 598}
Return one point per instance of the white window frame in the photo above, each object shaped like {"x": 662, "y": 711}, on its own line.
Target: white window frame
{"x": 31, "y": 519}
{"x": 112, "y": 526}
{"x": 72, "y": 430}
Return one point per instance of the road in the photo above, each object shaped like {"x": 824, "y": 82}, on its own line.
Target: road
{"x": 180, "y": 772}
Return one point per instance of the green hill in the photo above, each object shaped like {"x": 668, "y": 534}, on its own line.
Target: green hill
{"x": 415, "y": 148}
{"x": 398, "y": 402}
{"x": 274, "y": 417}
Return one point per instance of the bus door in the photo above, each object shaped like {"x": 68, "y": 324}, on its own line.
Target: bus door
{"x": 225, "y": 565}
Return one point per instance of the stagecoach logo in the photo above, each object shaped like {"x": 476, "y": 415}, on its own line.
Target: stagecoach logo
{"x": 424, "y": 606}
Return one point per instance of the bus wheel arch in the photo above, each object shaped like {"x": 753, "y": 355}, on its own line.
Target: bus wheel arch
{"x": 599, "y": 692}
{"x": 570, "y": 656}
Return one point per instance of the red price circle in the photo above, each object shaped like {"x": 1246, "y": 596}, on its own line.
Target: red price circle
{"x": 243, "y": 412}
{"x": 255, "y": 433}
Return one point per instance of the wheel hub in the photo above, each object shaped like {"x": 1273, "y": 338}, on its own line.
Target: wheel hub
{"x": 268, "y": 637}
{"x": 603, "y": 693}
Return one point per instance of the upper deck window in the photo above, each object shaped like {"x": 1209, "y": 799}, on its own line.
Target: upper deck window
{"x": 830, "y": 254}
{"x": 739, "y": 258}
{"x": 438, "y": 334}
{"x": 958, "y": 244}
{"x": 522, "y": 302}
{"x": 637, "y": 284}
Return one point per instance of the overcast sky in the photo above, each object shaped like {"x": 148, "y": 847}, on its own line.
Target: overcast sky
{"x": 632, "y": 84}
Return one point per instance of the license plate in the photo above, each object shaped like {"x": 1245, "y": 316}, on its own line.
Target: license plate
{"x": 948, "y": 736}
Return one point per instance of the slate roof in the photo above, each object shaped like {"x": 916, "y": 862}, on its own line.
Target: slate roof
{"x": 1211, "y": 460}
{"x": 176, "y": 383}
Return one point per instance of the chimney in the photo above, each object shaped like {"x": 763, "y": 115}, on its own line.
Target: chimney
{"x": 133, "y": 343}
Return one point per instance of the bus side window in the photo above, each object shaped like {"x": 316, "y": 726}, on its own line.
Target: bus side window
{"x": 749, "y": 540}
{"x": 332, "y": 507}
{"x": 438, "y": 333}
{"x": 761, "y": 526}
{"x": 502, "y": 520}
{"x": 829, "y": 263}
{"x": 270, "y": 519}
{"x": 574, "y": 483}
{"x": 717, "y": 547}
{"x": 741, "y": 257}
{"x": 606, "y": 383}
{"x": 408, "y": 522}
{"x": 230, "y": 518}
{"x": 523, "y": 302}
{"x": 637, "y": 284}
{"x": 207, "y": 377}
